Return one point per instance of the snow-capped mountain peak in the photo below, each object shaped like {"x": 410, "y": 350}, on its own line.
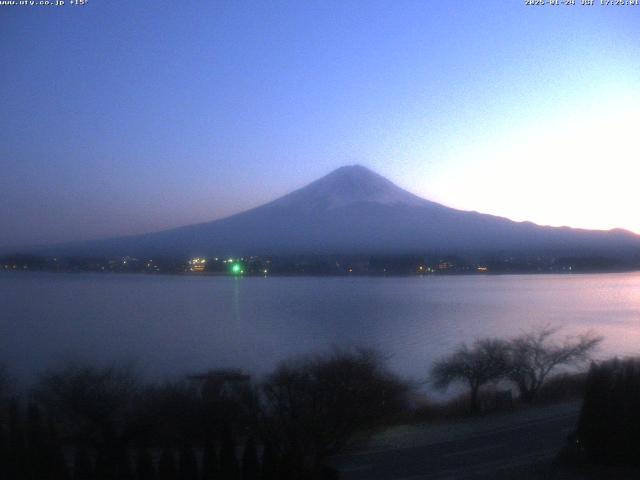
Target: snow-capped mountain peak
{"x": 349, "y": 185}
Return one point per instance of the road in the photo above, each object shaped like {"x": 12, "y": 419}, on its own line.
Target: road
{"x": 475, "y": 448}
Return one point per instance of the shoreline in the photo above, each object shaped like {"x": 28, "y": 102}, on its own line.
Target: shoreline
{"x": 336, "y": 275}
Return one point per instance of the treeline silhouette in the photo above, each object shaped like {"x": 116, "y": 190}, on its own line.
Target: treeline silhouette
{"x": 103, "y": 423}
{"x": 84, "y": 422}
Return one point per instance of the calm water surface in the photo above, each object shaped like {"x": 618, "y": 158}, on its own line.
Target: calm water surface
{"x": 175, "y": 324}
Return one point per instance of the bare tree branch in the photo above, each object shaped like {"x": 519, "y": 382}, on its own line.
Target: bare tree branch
{"x": 534, "y": 355}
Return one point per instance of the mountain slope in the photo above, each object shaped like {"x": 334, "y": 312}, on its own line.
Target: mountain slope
{"x": 354, "y": 210}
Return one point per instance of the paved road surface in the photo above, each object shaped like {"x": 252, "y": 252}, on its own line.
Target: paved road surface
{"x": 466, "y": 449}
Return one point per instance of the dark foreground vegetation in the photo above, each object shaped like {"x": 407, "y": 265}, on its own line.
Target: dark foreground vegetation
{"x": 104, "y": 423}
{"x": 87, "y": 423}
{"x": 609, "y": 427}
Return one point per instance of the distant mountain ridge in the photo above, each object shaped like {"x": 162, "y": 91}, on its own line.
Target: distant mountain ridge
{"x": 353, "y": 210}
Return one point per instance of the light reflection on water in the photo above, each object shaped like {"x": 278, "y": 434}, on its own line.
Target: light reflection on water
{"x": 176, "y": 324}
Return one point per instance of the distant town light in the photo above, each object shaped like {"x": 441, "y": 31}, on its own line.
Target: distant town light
{"x": 197, "y": 264}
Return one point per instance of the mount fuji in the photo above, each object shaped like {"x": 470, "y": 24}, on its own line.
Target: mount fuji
{"x": 353, "y": 210}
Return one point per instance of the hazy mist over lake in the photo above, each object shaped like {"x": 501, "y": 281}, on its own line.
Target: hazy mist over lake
{"x": 168, "y": 325}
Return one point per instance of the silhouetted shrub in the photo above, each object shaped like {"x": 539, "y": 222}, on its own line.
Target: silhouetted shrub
{"x": 101, "y": 412}
{"x": 565, "y": 386}
{"x": 609, "y": 425}
{"x": 314, "y": 406}
{"x": 228, "y": 397}
{"x": 91, "y": 404}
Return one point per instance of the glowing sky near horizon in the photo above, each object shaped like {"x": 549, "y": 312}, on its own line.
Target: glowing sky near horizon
{"x": 127, "y": 117}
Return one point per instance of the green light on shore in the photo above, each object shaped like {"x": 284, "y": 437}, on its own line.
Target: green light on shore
{"x": 236, "y": 269}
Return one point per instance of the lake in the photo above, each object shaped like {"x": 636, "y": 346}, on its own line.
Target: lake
{"x": 169, "y": 325}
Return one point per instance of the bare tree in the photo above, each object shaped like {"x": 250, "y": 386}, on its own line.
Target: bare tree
{"x": 485, "y": 361}
{"x": 534, "y": 355}
{"x": 315, "y": 406}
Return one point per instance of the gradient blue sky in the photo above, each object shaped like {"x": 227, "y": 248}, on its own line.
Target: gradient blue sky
{"x": 129, "y": 116}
